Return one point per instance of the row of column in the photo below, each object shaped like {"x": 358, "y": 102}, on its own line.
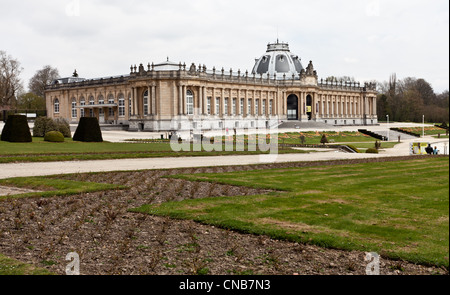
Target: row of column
{"x": 332, "y": 106}
{"x": 203, "y": 99}
{"x": 137, "y": 101}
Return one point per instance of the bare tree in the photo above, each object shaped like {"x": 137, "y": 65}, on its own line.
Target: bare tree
{"x": 10, "y": 83}
{"x": 41, "y": 79}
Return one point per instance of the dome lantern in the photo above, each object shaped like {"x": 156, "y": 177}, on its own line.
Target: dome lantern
{"x": 278, "y": 59}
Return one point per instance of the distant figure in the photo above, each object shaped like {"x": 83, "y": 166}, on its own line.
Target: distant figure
{"x": 435, "y": 151}
{"x": 429, "y": 149}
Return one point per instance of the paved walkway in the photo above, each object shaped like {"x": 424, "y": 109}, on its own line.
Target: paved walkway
{"x": 50, "y": 168}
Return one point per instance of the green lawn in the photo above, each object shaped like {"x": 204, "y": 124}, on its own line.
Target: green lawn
{"x": 50, "y": 186}
{"x": 313, "y": 137}
{"x": 41, "y": 151}
{"x": 13, "y": 267}
{"x": 398, "y": 209}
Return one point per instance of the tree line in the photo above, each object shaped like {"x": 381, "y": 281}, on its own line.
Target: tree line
{"x": 12, "y": 91}
{"x": 410, "y": 99}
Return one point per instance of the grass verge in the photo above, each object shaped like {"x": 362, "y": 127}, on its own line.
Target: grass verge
{"x": 49, "y": 187}
{"x": 10, "y": 266}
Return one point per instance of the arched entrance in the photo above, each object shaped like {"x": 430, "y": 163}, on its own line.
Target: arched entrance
{"x": 309, "y": 106}
{"x": 292, "y": 107}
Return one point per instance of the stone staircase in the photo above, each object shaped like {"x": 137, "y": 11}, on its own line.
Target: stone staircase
{"x": 393, "y": 135}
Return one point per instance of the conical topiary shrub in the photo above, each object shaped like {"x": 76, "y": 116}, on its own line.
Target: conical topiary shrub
{"x": 88, "y": 130}
{"x": 16, "y": 129}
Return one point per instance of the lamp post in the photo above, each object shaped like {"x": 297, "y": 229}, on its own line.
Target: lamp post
{"x": 387, "y": 117}
{"x": 423, "y": 125}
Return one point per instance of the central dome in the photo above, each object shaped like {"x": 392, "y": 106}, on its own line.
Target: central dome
{"x": 278, "y": 60}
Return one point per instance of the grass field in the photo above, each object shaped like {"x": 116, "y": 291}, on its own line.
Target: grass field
{"x": 48, "y": 186}
{"x": 41, "y": 151}
{"x": 13, "y": 267}
{"x": 398, "y": 209}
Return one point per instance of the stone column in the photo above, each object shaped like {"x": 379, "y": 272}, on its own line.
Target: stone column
{"x": 180, "y": 99}
{"x": 154, "y": 107}
{"x": 134, "y": 101}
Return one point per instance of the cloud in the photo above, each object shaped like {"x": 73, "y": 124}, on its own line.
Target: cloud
{"x": 370, "y": 38}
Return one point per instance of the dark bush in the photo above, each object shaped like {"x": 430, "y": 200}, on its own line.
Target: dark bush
{"x": 63, "y": 127}
{"x": 324, "y": 139}
{"x": 42, "y": 125}
{"x": 372, "y": 151}
{"x": 88, "y": 130}
{"x": 16, "y": 129}
{"x": 54, "y": 136}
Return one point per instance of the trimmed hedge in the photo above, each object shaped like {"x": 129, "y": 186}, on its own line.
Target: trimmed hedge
{"x": 54, "y": 136}
{"x": 16, "y": 129}
{"x": 88, "y": 130}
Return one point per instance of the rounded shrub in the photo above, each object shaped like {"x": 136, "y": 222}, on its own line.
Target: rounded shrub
{"x": 54, "y": 136}
{"x": 372, "y": 151}
{"x": 16, "y": 129}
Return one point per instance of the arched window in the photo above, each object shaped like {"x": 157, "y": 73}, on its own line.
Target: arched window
{"x": 264, "y": 107}
{"x": 56, "y": 106}
{"x": 146, "y": 103}
{"x": 74, "y": 108}
{"x": 101, "y": 100}
{"x": 225, "y": 106}
{"x": 189, "y": 102}
{"x": 82, "y": 103}
{"x": 121, "y": 105}
{"x": 91, "y": 102}
{"x": 111, "y": 101}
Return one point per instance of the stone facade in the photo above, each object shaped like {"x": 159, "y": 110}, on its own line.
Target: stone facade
{"x": 149, "y": 98}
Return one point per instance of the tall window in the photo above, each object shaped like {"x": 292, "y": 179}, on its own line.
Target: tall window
{"x": 56, "y": 105}
{"x": 249, "y": 107}
{"x": 217, "y": 105}
{"x": 101, "y": 100}
{"x": 226, "y": 106}
{"x": 146, "y": 103}
{"x": 74, "y": 108}
{"x": 91, "y": 102}
{"x": 82, "y": 103}
{"x": 234, "y": 107}
{"x": 271, "y": 107}
{"x": 264, "y": 107}
{"x": 257, "y": 107}
{"x": 121, "y": 105}
{"x": 189, "y": 102}
{"x": 242, "y": 107}
{"x": 208, "y": 105}
{"x": 111, "y": 101}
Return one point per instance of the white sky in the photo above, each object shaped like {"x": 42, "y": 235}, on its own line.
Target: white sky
{"x": 364, "y": 39}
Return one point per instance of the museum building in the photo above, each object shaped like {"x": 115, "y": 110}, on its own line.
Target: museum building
{"x": 150, "y": 97}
